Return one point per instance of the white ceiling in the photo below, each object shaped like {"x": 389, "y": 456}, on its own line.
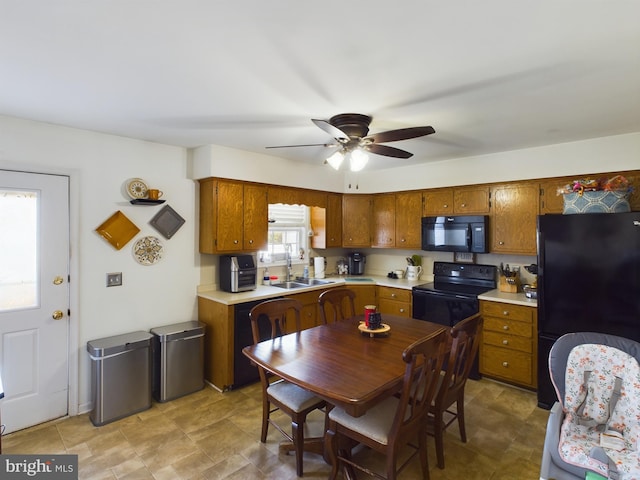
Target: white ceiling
{"x": 488, "y": 75}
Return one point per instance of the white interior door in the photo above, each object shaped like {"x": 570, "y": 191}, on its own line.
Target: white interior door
{"x": 34, "y": 297}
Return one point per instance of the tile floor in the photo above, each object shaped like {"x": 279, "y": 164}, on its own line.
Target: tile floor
{"x": 212, "y": 435}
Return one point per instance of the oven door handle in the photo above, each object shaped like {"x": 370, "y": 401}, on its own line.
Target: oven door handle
{"x": 444, "y": 294}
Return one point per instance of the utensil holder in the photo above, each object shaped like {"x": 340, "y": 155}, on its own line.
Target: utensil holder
{"x": 509, "y": 284}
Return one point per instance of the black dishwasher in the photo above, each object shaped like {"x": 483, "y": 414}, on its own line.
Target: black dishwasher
{"x": 244, "y": 372}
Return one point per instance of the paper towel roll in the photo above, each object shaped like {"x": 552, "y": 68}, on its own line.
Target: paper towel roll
{"x": 318, "y": 267}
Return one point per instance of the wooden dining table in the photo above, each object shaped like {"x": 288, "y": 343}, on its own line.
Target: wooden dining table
{"x": 342, "y": 365}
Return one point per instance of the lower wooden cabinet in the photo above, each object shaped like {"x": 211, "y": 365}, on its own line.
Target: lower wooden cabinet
{"x": 394, "y": 301}
{"x": 509, "y": 346}
{"x": 365, "y": 295}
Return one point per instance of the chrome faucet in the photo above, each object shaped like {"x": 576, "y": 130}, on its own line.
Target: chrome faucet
{"x": 288, "y": 257}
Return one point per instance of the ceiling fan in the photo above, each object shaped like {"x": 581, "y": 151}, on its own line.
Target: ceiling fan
{"x": 351, "y": 132}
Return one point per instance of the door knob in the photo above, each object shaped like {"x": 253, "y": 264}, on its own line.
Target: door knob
{"x": 58, "y": 280}
{"x": 57, "y": 315}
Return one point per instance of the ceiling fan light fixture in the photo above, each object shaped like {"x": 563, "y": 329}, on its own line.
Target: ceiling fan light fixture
{"x": 335, "y": 160}
{"x": 358, "y": 160}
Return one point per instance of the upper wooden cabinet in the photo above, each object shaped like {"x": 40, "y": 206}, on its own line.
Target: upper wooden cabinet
{"x": 437, "y": 201}
{"x": 513, "y": 222}
{"x": 356, "y": 220}
{"x": 408, "y": 219}
{"x": 383, "y": 214}
{"x": 326, "y": 223}
{"x": 233, "y": 216}
{"x": 456, "y": 201}
{"x": 471, "y": 200}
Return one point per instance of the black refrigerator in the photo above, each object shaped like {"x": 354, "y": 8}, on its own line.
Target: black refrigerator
{"x": 588, "y": 281}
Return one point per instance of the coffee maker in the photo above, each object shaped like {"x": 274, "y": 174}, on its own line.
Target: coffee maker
{"x": 356, "y": 263}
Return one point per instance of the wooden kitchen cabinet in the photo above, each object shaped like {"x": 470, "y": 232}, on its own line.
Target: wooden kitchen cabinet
{"x": 356, "y": 220}
{"x": 408, "y": 220}
{"x": 219, "y": 341}
{"x": 394, "y": 301}
{"x": 513, "y": 223}
{"x": 233, "y": 216}
{"x": 383, "y": 214}
{"x": 509, "y": 346}
{"x": 326, "y": 223}
{"x": 437, "y": 201}
{"x": 471, "y": 200}
{"x": 365, "y": 295}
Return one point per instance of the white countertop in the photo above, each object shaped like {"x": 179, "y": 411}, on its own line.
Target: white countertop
{"x": 504, "y": 297}
{"x": 264, "y": 292}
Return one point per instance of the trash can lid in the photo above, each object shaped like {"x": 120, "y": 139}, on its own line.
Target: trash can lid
{"x": 119, "y": 343}
{"x": 178, "y": 330}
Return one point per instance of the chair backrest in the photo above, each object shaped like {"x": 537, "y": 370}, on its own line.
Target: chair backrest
{"x": 337, "y": 300}
{"x": 276, "y": 312}
{"x": 465, "y": 340}
{"x": 424, "y": 359}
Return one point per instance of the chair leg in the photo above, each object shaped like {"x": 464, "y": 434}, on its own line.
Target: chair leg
{"x": 266, "y": 408}
{"x": 424, "y": 457}
{"x": 460, "y": 410}
{"x": 438, "y": 433}
{"x": 297, "y": 433}
{"x": 331, "y": 451}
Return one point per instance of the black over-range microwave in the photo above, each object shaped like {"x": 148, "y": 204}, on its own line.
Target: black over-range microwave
{"x": 467, "y": 233}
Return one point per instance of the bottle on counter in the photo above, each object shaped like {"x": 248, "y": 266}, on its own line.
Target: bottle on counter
{"x": 265, "y": 277}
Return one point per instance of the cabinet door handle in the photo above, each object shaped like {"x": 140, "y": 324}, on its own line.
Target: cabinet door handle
{"x": 235, "y": 241}
{"x": 463, "y": 205}
{"x": 505, "y": 327}
{"x": 402, "y": 310}
{"x": 500, "y": 243}
{"x": 505, "y": 364}
{"x": 250, "y": 242}
{"x": 505, "y": 342}
{"x": 445, "y": 206}
{"x": 393, "y": 295}
{"x": 505, "y": 313}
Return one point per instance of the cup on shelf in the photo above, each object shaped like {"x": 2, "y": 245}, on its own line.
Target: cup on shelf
{"x": 154, "y": 193}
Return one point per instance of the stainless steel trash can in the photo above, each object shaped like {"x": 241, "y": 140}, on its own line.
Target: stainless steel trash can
{"x": 178, "y": 360}
{"x": 120, "y": 376}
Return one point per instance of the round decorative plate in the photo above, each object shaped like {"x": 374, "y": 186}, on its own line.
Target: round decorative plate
{"x": 148, "y": 250}
{"x": 136, "y": 188}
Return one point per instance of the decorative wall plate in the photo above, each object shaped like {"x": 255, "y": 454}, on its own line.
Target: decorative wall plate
{"x": 136, "y": 188}
{"x": 118, "y": 230}
{"x": 148, "y": 250}
{"x": 167, "y": 221}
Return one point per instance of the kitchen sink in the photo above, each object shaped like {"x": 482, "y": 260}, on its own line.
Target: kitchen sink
{"x": 312, "y": 281}
{"x": 301, "y": 283}
{"x": 289, "y": 285}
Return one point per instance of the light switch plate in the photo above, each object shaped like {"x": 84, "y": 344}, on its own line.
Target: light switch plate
{"x": 114, "y": 279}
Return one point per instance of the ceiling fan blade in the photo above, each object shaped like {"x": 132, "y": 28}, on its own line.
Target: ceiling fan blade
{"x": 387, "y": 151}
{"x": 400, "y": 134}
{"x": 335, "y": 132}
{"x": 307, "y": 145}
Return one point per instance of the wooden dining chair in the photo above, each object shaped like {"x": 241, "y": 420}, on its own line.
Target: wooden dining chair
{"x": 269, "y": 320}
{"x": 465, "y": 339}
{"x": 395, "y": 421}
{"x": 337, "y": 300}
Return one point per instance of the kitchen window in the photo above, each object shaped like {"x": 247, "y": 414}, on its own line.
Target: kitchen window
{"x": 288, "y": 231}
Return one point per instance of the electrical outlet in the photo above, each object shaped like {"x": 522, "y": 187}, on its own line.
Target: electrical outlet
{"x": 114, "y": 279}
